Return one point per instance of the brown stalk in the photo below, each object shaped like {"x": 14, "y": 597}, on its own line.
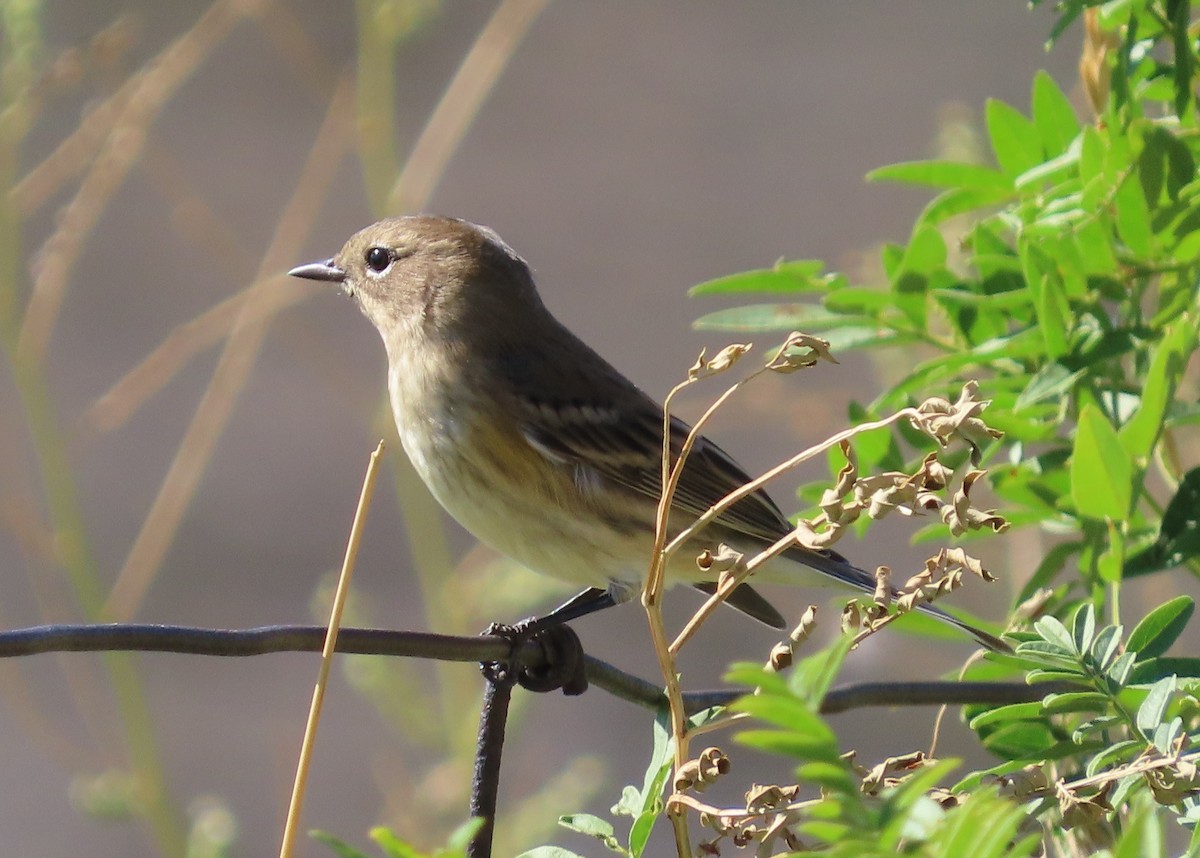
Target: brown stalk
{"x": 758, "y": 482}
{"x": 459, "y": 105}
{"x": 233, "y": 367}
{"x": 446, "y": 127}
{"x": 152, "y": 91}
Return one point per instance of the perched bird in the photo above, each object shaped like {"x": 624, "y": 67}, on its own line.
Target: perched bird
{"x": 535, "y": 443}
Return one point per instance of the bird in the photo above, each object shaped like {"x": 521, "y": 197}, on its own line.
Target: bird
{"x": 535, "y": 443}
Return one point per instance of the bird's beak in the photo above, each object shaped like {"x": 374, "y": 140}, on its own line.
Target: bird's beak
{"x": 326, "y": 271}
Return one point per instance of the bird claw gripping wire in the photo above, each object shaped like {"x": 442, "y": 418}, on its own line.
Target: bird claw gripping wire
{"x": 561, "y": 664}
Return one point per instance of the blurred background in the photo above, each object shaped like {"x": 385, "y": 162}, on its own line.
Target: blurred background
{"x": 183, "y": 432}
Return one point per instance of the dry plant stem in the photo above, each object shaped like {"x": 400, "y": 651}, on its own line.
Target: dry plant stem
{"x": 233, "y": 368}
{"x": 652, "y": 601}
{"x": 652, "y": 592}
{"x": 671, "y": 474}
{"x": 154, "y": 89}
{"x": 714, "y": 601}
{"x": 192, "y": 216}
{"x": 112, "y": 409}
{"x": 719, "y": 723}
{"x": 335, "y": 621}
{"x": 72, "y": 154}
{"x": 695, "y": 804}
{"x": 652, "y": 595}
{"x": 52, "y": 595}
{"x": 757, "y": 483}
{"x": 976, "y": 656}
{"x": 117, "y": 405}
{"x": 300, "y": 53}
{"x": 1137, "y": 767}
{"x": 459, "y": 105}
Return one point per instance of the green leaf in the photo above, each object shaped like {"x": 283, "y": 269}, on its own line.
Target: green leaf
{"x": 1101, "y": 474}
{"x": 1150, "y": 714}
{"x": 460, "y": 838}
{"x": 1179, "y": 533}
{"x": 593, "y": 826}
{"x": 1094, "y": 247}
{"x": 1083, "y": 627}
{"x": 788, "y": 744}
{"x": 813, "y": 676}
{"x": 393, "y": 846}
{"x": 1161, "y": 627}
{"x": 1121, "y": 669}
{"x": 1142, "y": 835}
{"x": 1055, "y": 633}
{"x": 1075, "y": 701}
{"x": 1052, "y": 173}
{"x": 1133, "y": 218}
{"x": 586, "y": 823}
{"x": 1139, "y": 435}
{"x": 1106, "y": 647}
{"x": 786, "y": 712}
{"x": 994, "y": 301}
{"x": 1154, "y": 669}
{"x": 1029, "y": 740}
{"x": 796, "y": 276}
{"x": 1052, "y": 381}
{"x": 943, "y": 174}
{"x": 1053, "y": 312}
{"x": 1014, "y": 138}
{"x": 958, "y": 201}
{"x": 923, "y": 258}
{"x": 640, "y": 831}
{"x": 784, "y": 317}
{"x": 341, "y": 848}
{"x": 833, "y": 777}
{"x": 1182, "y": 43}
{"x": 1011, "y": 712}
{"x": 1053, "y": 115}
{"x": 630, "y": 802}
{"x": 1121, "y": 752}
{"x": 863, "y": 301}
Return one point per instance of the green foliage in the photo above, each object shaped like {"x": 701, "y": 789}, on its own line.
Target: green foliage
{"x": 1121, "y": 730}
{"x": 391, "y": 846}
{"x": 1065, "y": 277}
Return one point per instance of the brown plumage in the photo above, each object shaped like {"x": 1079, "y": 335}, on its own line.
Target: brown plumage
{"x": 534, "y": 442}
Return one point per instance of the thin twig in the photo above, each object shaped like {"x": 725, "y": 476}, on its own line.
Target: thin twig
{"x": 652, "y": 602}
{"x": 456, "y": 110}
{"x": 233, "y": 368}
{"x": 114, "y": 407}
{"x": 734, "y": 581}
{"x": 296, "y": 805}
{"x": 153, "y": 90}
{"x": 758, "y": 482}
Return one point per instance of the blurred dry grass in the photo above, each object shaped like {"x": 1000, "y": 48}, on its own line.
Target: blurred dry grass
{"x": 113, "y": 143}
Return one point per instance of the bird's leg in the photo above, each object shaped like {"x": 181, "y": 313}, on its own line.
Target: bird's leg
{"x": 560, "y": 644}
{"x": 580, "y": 605}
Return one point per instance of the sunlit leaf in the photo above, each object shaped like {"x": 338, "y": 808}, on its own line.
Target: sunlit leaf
{"x": 1101, "y": 473}
{"x": 1161, "y": 627}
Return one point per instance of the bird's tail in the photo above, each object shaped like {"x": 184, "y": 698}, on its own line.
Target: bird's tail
{"x": 835, "y": 566}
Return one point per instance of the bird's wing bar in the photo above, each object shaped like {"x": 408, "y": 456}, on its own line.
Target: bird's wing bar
{"x": 624, "y": 447}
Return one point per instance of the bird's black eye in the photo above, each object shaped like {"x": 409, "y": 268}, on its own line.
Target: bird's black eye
{"x": 378, "y": 259}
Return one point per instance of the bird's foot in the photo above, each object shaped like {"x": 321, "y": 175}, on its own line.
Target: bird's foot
{"x": 561, "y": 665}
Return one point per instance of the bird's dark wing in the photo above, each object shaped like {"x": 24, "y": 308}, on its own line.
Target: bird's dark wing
{"x": 622, "y": 444}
